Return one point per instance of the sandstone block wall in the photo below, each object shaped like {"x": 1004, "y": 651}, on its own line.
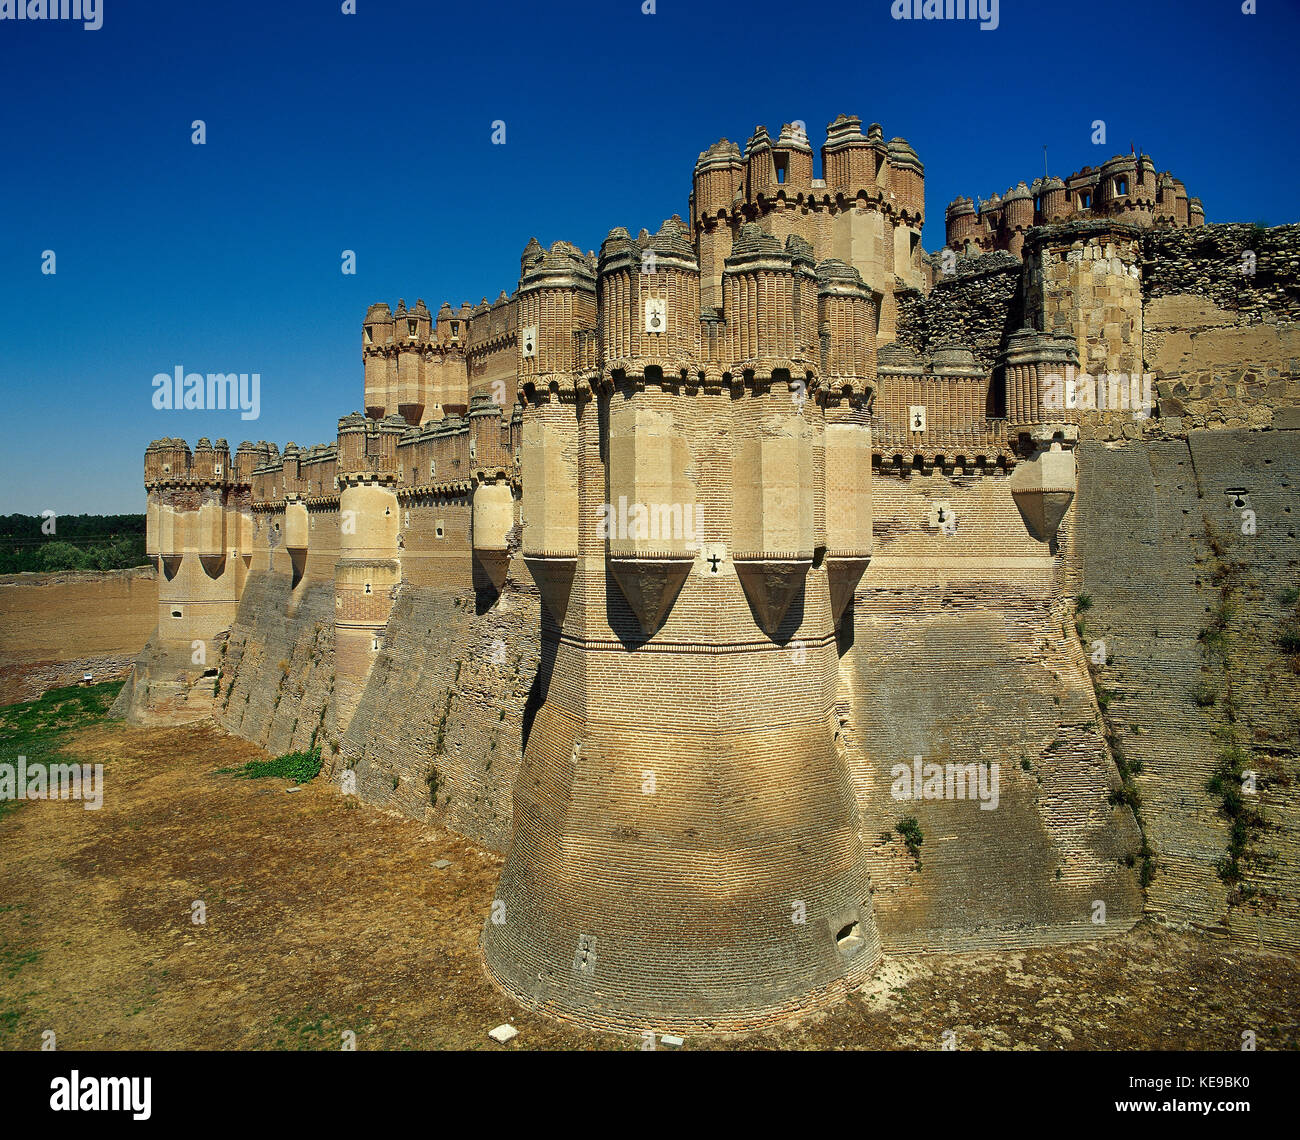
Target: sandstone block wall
{"x": 56, "y": 627}
{"x": 439, "y": 731}
{"x": 1160, "y": 540}
{"x": 960, "y": 652}
{"x": 1223, "y": 344}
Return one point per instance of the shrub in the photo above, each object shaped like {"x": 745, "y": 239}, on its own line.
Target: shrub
{"x": 1225, "y": 782}
{"x": 910, "y": 830}
{"x": 1127, "y": 794}
{"x": 1290, "y": 639}
{"x": 300, "y": 767}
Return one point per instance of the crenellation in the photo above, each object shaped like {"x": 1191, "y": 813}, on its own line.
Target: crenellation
{"x": 1124, "y": 188}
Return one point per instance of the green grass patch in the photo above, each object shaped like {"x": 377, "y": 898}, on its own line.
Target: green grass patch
{"x": 308, "y": 1031}
{"x": 1289, "y": 639}
{"x": 39, "y": 729}
{"x": 300, "y": 767}
{"x": 13, "y": 959}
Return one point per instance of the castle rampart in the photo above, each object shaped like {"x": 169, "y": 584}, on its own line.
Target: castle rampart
{"x": 648, "y": 572}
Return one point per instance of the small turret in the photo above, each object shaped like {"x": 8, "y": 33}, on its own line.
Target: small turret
{"x": 1053, "y": 204}
{"x": 906, "y": 181}
{"x": 848, "y": 159}
{"x": 1042, "y": 422}
{"x": 792, "y": 159}
{"x": 378, "y": 360}
{"x": 961, "y": 224}
{"x": 1017, "y": 217}
{"x": 556, "y": 298}
{"x": 760, "y": 171}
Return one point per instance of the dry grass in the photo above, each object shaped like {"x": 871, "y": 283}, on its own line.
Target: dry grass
{"x": 325, "y": 916}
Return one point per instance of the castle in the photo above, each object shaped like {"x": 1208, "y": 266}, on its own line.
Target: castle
{"x": 1124, "y": 188}
{"x": 716, "y": 525}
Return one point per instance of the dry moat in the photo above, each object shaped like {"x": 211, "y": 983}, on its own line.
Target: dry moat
{"x": 325, "y": 915}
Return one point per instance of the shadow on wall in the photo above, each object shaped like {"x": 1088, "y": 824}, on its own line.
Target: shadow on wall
{"x": 542, "y": 680}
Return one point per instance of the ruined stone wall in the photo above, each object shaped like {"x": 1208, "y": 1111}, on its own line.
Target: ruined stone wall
{"x": 1207, "y": 262}
{"x": 1224, "y": 346}
{"x": 277, "y": 669}
{"x": 438, "y": 732}
{"x": 976, "y": 305}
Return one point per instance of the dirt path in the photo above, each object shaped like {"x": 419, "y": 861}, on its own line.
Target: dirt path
{"x": 324, "y": 916}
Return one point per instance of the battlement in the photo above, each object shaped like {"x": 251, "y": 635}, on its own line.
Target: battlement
{"x": 866, "y": 209}
{"x": 857, "y": 170}
{"x": 415, "y": 365}
{"x": 170, "y": 462}
{"x": 1124, "y": 188}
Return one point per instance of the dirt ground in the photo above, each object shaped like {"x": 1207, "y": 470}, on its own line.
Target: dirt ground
{"x": 323, "y": 915}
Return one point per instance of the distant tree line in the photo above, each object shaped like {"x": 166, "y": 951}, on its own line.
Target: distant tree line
{"x": 79, "y": 542}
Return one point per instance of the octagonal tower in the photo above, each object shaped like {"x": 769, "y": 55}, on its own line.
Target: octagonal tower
{"x": 686, "y": 852}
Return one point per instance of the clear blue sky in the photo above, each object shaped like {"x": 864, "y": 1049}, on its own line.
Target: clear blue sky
{"x": 371, "y": 132}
